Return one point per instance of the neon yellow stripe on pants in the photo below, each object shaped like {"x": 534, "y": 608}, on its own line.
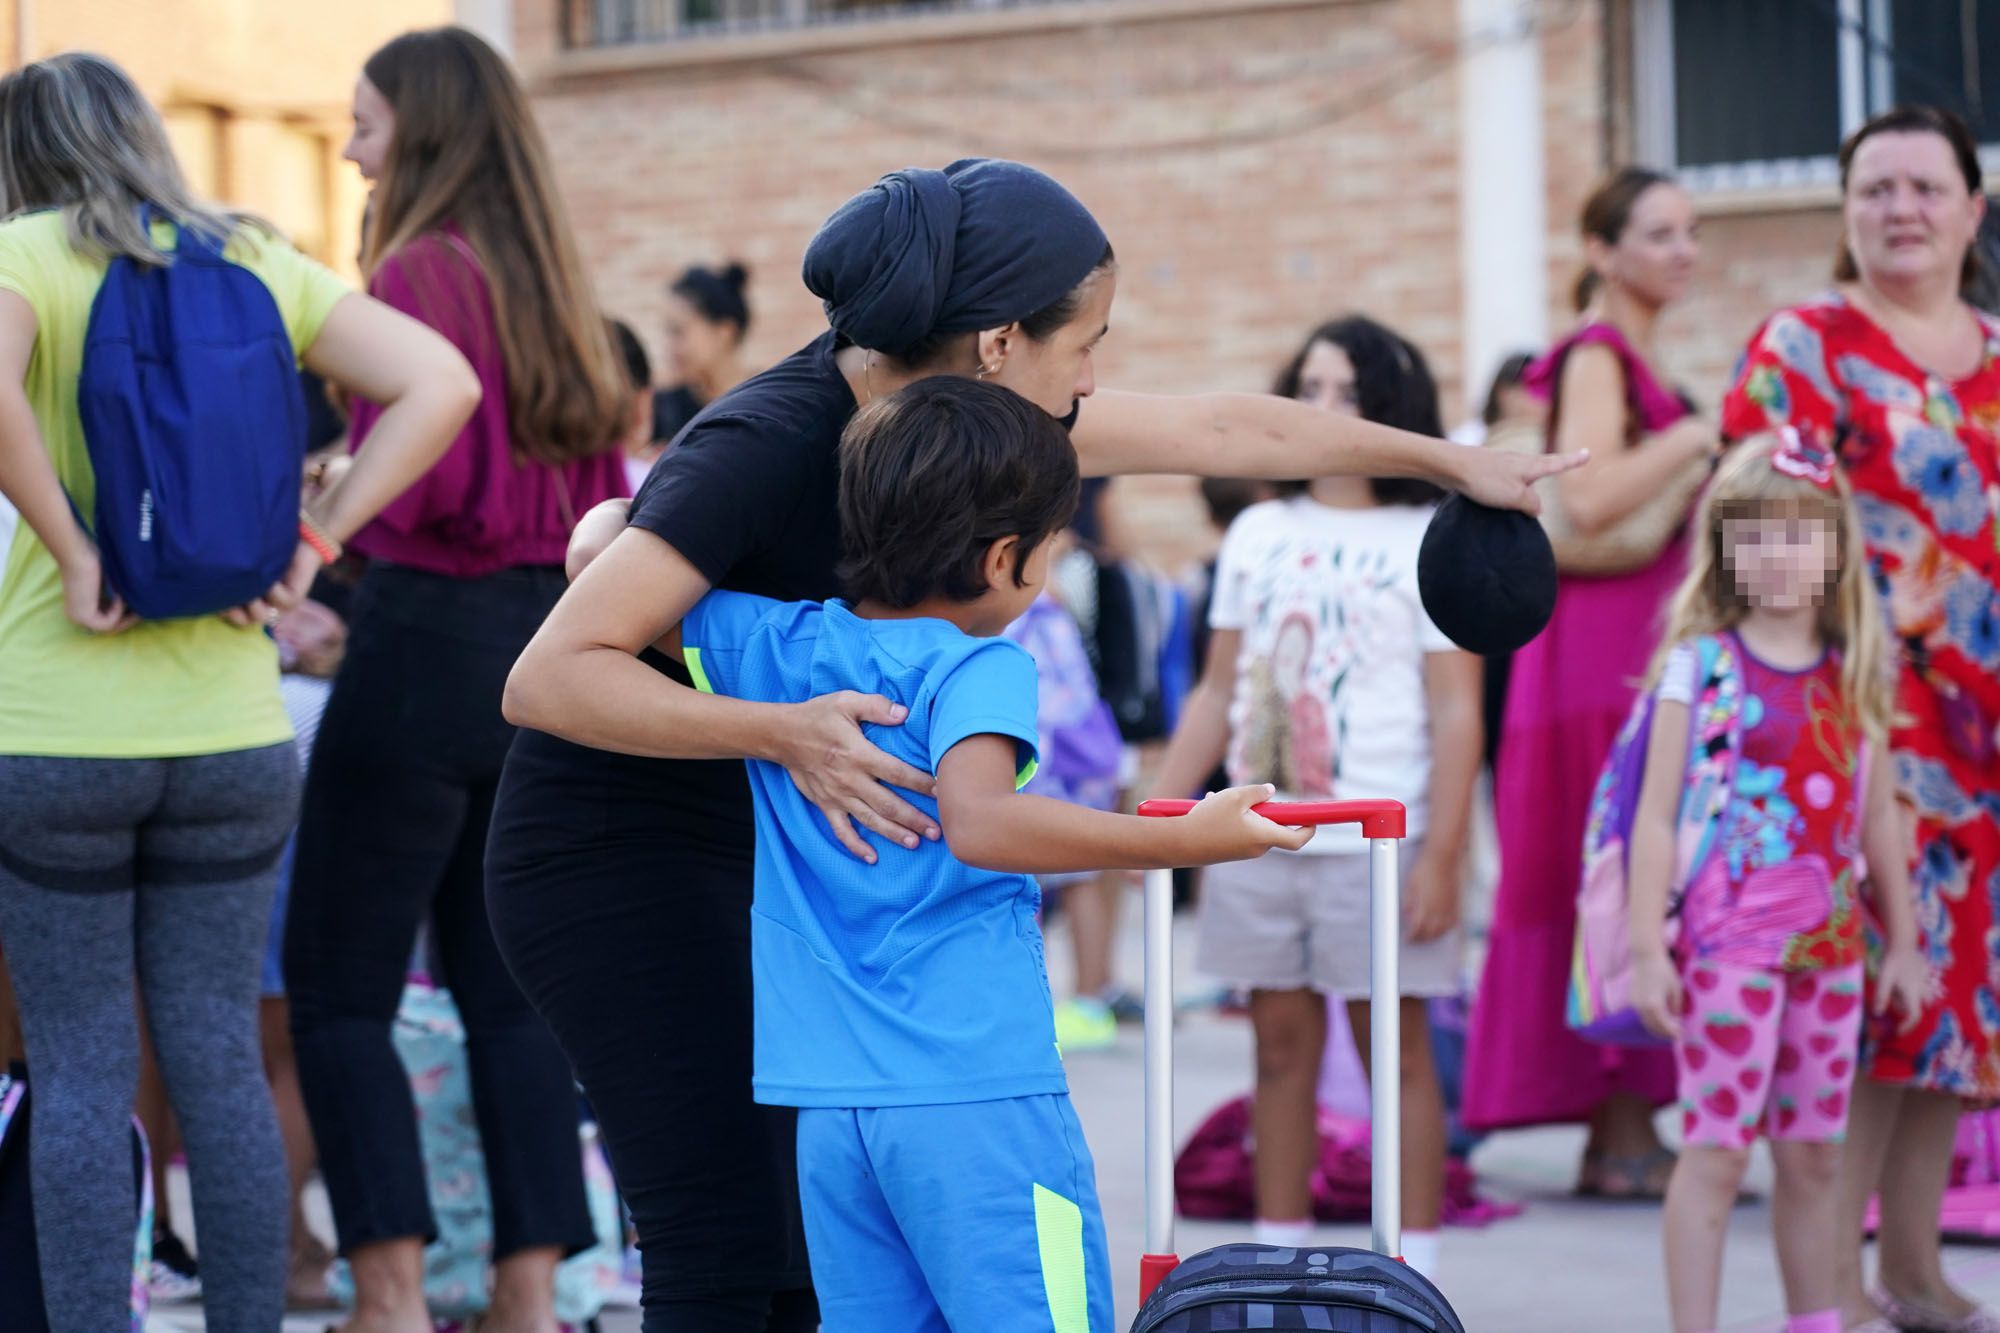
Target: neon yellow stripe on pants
{"x": 1059, "y": 1234}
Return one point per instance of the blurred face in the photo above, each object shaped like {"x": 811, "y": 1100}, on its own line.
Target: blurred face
{"x": 1654, "y": 258}
{"x": 1782, "y": 560}
{"x": 1909, "y": 215}
{"x": 695, "y": 344}
{"x": 1055, "y": 372}
{"x": 374, "y": 127}
{"x": 1326, "y": 380}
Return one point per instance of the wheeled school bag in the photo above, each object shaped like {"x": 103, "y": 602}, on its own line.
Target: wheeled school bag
{"x": 195, "y": 423}
{"x": 1325, "y": 1287}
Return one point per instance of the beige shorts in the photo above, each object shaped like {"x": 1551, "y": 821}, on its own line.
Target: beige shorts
{"x": 1292, "y": 919}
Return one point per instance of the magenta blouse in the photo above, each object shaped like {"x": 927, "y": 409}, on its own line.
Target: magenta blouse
{"x": 484, "y": 507}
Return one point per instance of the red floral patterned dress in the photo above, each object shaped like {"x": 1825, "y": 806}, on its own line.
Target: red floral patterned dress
{"x": 1923, "y": 456}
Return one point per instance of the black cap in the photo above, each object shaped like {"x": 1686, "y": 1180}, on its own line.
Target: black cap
{"x": 1487, "y": 576}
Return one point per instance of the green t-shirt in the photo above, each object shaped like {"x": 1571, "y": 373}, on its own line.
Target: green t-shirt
{"x": 161, "y": 688}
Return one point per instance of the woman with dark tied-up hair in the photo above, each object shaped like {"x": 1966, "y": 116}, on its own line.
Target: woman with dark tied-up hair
{"x": 619, "y": 869}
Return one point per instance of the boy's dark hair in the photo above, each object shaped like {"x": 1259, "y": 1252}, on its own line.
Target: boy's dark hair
{"x": 935, "y": 473}
{"x": 1392, "y": 387}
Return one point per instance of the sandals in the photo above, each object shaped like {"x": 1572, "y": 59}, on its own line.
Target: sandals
{"x": 1910, "y": 1317}
{"x": 1639, "y": 1177}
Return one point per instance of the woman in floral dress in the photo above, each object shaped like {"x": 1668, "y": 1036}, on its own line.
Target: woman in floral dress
{"x": 1903, "y": 376}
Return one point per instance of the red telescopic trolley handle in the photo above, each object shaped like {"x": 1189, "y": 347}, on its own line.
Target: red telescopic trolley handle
{"x": 1378, "y": 819}
{"x": 1382, "y": 823}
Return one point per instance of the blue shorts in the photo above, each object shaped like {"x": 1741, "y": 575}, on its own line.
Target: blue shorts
{"x": 925, "y": 1219}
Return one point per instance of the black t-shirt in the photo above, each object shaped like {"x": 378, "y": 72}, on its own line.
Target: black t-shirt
{"x": 750, "y": 496}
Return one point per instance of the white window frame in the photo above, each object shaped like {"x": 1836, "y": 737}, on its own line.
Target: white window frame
{"x": 1866, "y": 78}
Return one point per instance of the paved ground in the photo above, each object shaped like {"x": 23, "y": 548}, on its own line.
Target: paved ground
{"x": 1564, "y": 1266}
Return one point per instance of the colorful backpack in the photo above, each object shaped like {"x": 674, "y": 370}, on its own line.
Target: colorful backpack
{"x": 1600, "y": 990}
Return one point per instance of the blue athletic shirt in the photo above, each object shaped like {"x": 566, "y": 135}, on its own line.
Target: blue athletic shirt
{"x": 917, "y": 980}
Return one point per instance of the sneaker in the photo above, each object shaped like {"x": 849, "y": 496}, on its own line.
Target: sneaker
{"x": 173, "y": 1279}
{"x": 1085, "y": 1024}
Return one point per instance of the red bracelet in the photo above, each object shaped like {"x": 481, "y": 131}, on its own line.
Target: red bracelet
{"x": 311, "y": 534}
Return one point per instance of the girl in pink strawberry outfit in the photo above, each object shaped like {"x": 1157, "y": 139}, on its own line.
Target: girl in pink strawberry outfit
{"x": 1772, "y": 674}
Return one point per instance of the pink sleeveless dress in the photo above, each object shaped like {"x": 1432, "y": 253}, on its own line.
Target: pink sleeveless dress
{"x": 1567, "y": 696}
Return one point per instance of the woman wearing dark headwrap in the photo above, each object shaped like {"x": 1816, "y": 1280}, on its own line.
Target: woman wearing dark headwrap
{"x": 620, "y": 863}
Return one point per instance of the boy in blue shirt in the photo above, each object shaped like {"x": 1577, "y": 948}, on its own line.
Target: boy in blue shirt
{"x": 903, "y": 1006}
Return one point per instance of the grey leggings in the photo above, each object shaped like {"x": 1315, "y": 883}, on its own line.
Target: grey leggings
{"x": 163, "y": 869}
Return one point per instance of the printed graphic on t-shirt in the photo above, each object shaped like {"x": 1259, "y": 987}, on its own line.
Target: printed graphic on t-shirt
{"x": 1330, "y": 697}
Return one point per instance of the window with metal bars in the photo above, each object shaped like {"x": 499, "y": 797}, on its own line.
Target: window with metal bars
{"x": 621, "y": 22}
{"x": 1735, "y": 94}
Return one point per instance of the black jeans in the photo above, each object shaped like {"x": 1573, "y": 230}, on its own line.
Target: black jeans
{"x": 624, "y": 909}
{"x": 397, "y": 806}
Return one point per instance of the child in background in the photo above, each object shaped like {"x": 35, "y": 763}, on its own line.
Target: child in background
{"x": 1081, "y": 751}
{"x": 903, "y": 1005}
{"x": 1326, "y": 677}
{"x": 1775, "y": 656}
{"x": 642, "y": 450}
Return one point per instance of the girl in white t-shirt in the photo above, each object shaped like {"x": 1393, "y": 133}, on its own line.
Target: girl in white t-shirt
{"x": 1326, "y": 677}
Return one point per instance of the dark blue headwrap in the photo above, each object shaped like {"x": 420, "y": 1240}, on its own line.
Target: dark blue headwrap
{"x": 976, "y": 246}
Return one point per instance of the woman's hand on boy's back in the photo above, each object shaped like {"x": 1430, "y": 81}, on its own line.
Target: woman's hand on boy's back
{"x": 1224, "y": 827}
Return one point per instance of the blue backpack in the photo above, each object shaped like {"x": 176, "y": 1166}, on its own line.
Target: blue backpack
{"x": 195, "y": 424}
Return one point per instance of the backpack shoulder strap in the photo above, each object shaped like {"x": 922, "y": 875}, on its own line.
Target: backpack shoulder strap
{"x": 1715, "y": 738}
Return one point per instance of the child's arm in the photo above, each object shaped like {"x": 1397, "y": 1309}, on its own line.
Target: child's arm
{"x": 990, "y": 825}
{"x": 1656, "y": 988}
{"x": 1203, "y": 734}
{"x": 1902, "y": 977}
{"x": 1451, "y": 689}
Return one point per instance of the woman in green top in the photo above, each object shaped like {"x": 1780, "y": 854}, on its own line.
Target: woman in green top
{"x": 147, "y": 776}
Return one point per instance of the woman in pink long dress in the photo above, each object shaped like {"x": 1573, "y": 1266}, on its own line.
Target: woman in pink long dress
{"x": 1569, "y": 693}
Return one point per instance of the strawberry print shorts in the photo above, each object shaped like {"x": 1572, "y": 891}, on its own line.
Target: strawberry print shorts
{"x": 1767, "y": 1051}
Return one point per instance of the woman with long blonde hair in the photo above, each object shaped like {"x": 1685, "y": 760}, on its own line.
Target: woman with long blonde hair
{"x": 466, "y": 233}
{"x": 147, "y": 773}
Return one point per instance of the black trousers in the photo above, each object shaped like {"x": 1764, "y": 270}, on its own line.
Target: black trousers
{"x": 626, "y": 918}
{"x": 397, "y": 806}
